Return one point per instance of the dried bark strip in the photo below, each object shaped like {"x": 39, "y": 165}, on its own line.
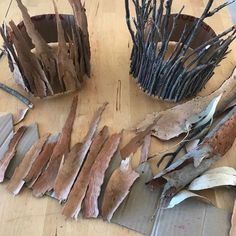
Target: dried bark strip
{"x": 70, "y": 169}
{"x": 21, "y": 115}
{"x": 97, "y": 177}
{"x": 65, "y": 65}
{"x": 47, "y": 180}
{"x": 17, "y": 180}
{"x": 43, "y": 50}
{"x": 118, "y": 188}
{"x": 40, "y": 163}
{"x": 4, "y": 162}
{"x": 30, "y": 64}
{"x": 72, "y": 206}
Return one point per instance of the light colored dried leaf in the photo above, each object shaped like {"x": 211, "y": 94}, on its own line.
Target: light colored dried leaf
{"x": 73, "y": 204}
{"x": 172, "y": 122}
{"x": 223, "y": 176}
{"x": 184, "y": 195}
{"x": 118, "y": 188}
{"x": 69, "y": 171}
{"x": 97, "y": 177}
{"x": 4, "y": 162}
{"x": 47, "y": 180}
{"x": 17, "y": 180}
{"x": 21, "y": 115}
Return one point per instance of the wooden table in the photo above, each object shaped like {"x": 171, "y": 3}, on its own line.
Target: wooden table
{"x": 110, "y": 47}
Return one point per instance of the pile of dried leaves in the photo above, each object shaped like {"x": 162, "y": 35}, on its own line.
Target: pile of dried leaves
{"x": 48, "y": 71}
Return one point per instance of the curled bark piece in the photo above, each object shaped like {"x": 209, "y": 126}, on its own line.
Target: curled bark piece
{"x": 172, "y": 122}
{"x": 47, "y": 180}
{"x": 233, "y": 221}
{"x": 198, "y": 160}
{"x": 98, "y": 171}
{"x": 184, "y": 195}
{"x": 21, "y": 115}
{"x": 17, "y": 180}
{"x": 118, "y": 188}
{"x": 40, "y": 163}
{"x": 70, "y": 169}
{"x": 135, "y": 143}
{"x": 73, "y": 204}
{"x": 4, "y": 162}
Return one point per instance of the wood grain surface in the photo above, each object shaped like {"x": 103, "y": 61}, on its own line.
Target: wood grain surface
{"x": 110, "y": 81}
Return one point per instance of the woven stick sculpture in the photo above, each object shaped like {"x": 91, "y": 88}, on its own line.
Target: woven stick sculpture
{"x": 182, "y": 74}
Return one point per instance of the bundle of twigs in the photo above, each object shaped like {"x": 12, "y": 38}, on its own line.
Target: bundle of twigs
{"x": 48, "y": 71}
{"x": 182, "y": 74}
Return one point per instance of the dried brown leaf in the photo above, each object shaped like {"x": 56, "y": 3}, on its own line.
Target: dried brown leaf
{"x": 17, "y": 180}
{"x": 4, "y": 162}
{"x": 145, "y": 148}
{"x": 172, "y": 122}
{"x": 40, "y": 163}
{"x": 97, "y": 175}
{"x": 118, "y": 188}
{"x": 71, "y": 167}
{"x": 72, "y": 206}
{"x": 47, "y": 180}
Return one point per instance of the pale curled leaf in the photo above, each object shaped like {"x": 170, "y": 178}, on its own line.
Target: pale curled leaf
{"x": 118, "y": 188}
{"x": 223, "y": 176}
{"x": 205, "y": 116}
{"x": 21, "y": 115}
{"x": 184, "y": 195}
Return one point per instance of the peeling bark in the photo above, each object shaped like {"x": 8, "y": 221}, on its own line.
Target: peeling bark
{"x": 70, "y": 169}
{"x": 17, "y": 180}
{"x": 47, "y": 180}
{"x": 4, "y": 162}
{"x": 72, "y": 206}
{"x": 97, "y": 177}
{"x": 118, "y": 188}
{"x": 40, "y": 163}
